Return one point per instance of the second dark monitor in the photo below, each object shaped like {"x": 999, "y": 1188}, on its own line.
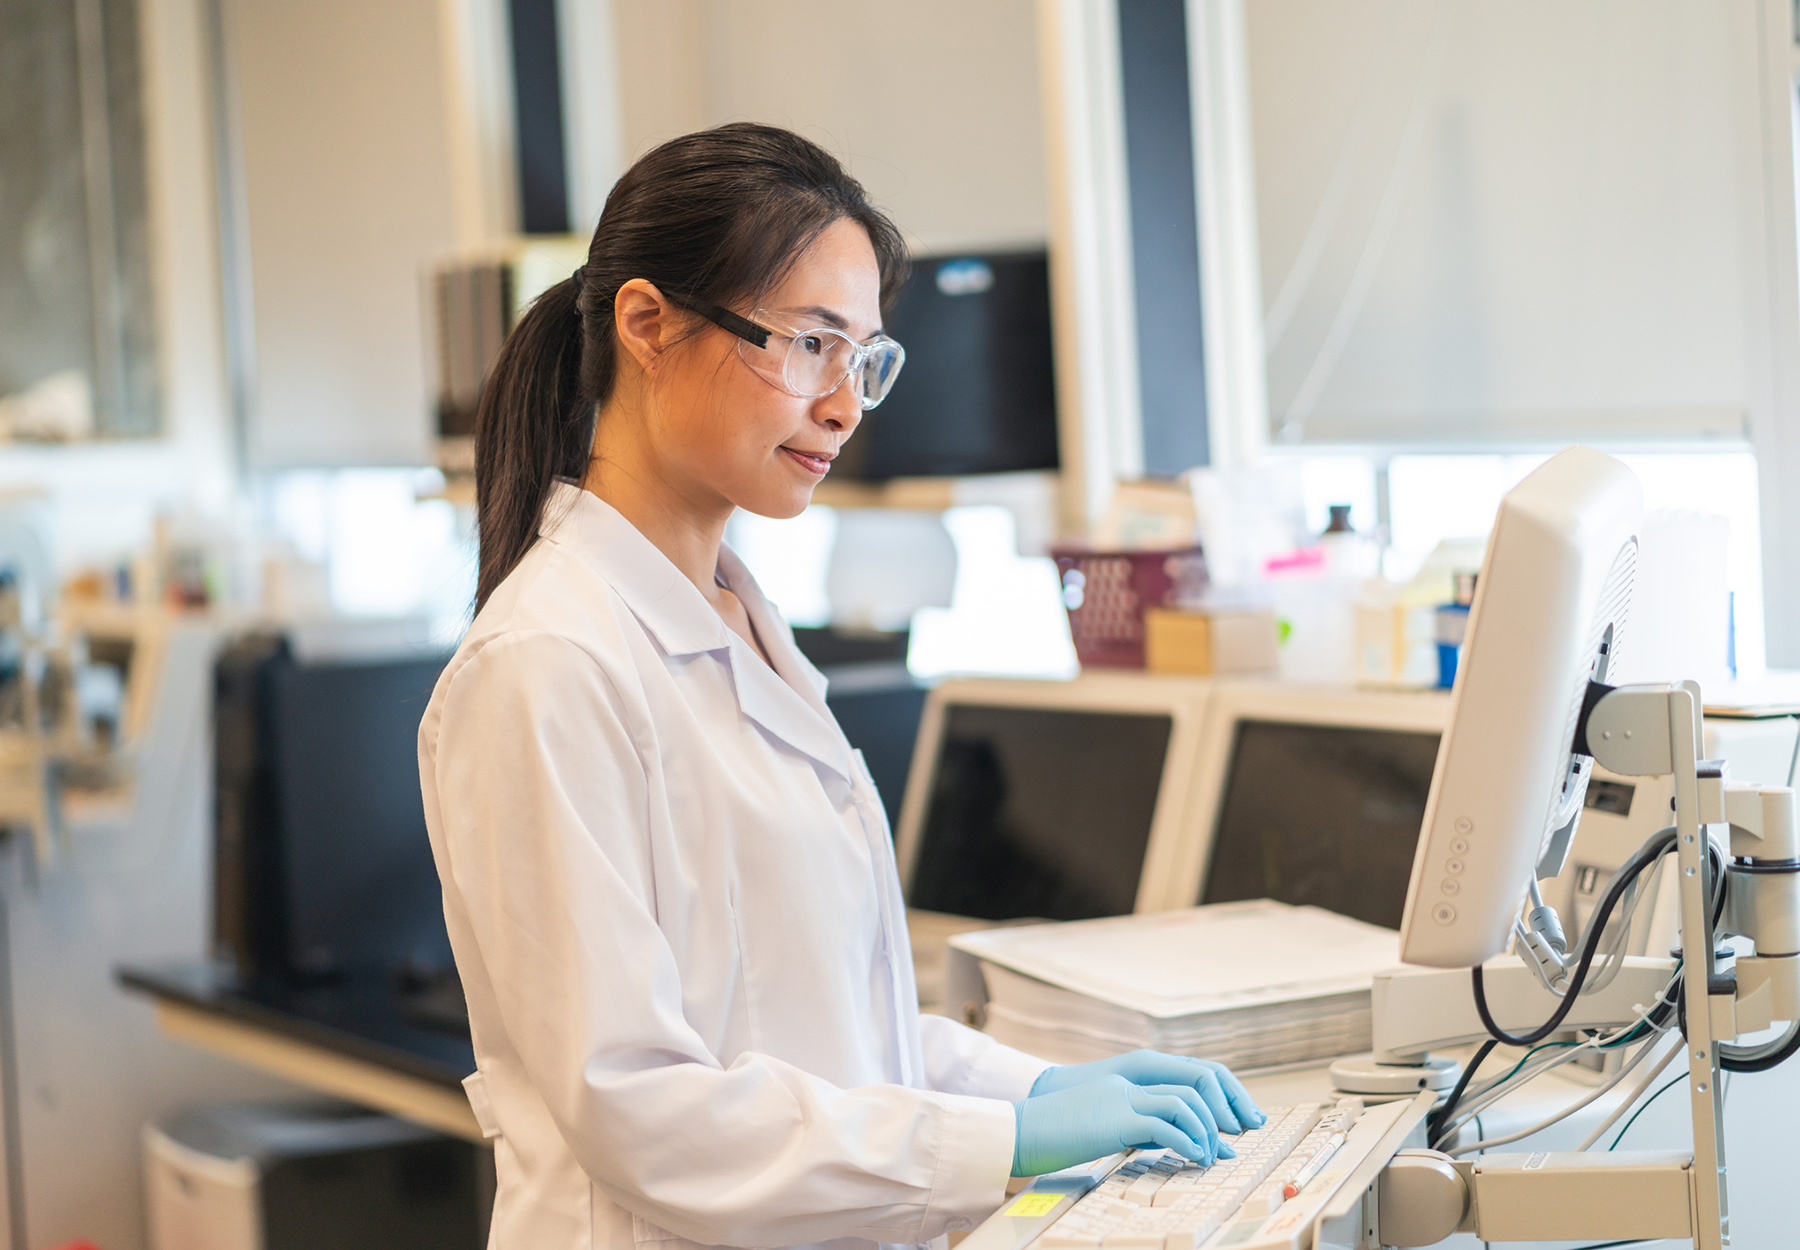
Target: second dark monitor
{"x": 1322, "y": 814}
{"x": 978, "y": 391}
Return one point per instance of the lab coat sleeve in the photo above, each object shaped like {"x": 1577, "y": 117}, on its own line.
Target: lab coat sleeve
{"x": 544, "y": 793}
{"x": 959, "y": 1060}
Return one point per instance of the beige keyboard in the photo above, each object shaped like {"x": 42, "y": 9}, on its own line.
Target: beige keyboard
{"x": 1156, "y": 1200}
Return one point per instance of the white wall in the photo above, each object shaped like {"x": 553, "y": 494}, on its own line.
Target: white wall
{"x": 1533, "y": 223}
{"x": 349, "y": 192}
{"x": 934, "y": 103}
{"x": 1532, "y": 219}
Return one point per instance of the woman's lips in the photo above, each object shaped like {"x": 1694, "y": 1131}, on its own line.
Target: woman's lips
{"x": 817, "y": 465}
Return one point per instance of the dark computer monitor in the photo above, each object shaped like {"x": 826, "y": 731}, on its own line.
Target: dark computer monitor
{"x": 978, "y": 391}
{"x": 1327, "y": 814}
{"x": 323, "y": 866}
{"x": 1044, "y": 799}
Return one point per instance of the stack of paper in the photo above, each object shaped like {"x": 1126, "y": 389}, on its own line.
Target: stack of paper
{"x": 1252, "y": 985}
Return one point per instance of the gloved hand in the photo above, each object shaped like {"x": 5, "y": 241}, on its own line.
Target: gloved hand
{"x": 1231, "y": 1107}
{"x": 1108, "y": 1114}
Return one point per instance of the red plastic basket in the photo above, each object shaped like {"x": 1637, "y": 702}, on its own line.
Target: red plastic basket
{"x": 1106, "y": 593}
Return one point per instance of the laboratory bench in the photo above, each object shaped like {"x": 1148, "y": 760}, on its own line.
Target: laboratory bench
{"x": 359, "y": 1038}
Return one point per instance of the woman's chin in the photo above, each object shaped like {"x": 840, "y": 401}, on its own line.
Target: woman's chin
{"x": 781, "y": 504}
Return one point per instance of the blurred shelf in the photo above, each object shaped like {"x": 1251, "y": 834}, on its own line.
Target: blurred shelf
{"x": 919, "y": 494}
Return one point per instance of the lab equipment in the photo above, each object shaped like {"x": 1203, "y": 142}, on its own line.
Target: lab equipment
{"x": 1548, "y": 619}
{"x": 1210, "y": 641}
{"x": 1621, "y": 813}
{"x": 1532, "y": 716}
{"x": 1119, "y": 792}
{"x": 473, "y": 301}
{"x": 1312, "y": 796}
{"x": 322, "y": 866}
{"x": 1049, "y": 799}
{"x": 1225, "y": 1096}
{"x": 1108, "y": 593}
{"x": 1100, "y": 1117}
{"x": 1272, "y": 1193}
{"x": 252, "y": 1176}
{"x": 980, "y": 392}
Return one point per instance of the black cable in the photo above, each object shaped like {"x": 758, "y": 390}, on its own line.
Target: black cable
{"x": 1643, "y": 857}
{"x": 1786, "y": 1052}
{"x": 1449, "y": 1108}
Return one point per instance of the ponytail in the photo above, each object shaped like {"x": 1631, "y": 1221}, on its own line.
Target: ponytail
{"x": 532, "y": 426}
{"x": 715, "y": 216}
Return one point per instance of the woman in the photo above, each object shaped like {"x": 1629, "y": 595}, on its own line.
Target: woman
{"x": 667, "y": 876}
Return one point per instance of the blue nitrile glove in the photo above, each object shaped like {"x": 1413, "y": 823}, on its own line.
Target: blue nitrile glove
{"x": 1099, "y": 1117}
{"x": 1233, "y": 1110}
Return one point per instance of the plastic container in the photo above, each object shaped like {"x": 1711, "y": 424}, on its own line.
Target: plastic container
{"x": 1107, "y": 592}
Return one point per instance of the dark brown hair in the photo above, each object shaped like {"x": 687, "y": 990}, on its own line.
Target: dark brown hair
{"x": 713, "y": 217}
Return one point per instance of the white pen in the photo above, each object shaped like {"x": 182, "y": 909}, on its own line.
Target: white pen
{"x": 1313, "y": 1165}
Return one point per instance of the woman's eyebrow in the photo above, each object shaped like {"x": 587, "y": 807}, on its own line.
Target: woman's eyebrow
{"x": 832, "y": 318}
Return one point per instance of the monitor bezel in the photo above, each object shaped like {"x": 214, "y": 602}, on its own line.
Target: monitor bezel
{"x": 1183, "y": 699}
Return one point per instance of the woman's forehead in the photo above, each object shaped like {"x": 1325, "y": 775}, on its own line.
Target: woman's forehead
{"x": 835, "y": 279}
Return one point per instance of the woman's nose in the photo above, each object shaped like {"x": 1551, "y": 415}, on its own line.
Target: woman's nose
{"x": 841, "y": 410}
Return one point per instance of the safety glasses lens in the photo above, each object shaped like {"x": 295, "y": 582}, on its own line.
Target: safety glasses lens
{"x": 819, "y": 361}
{"x": 814, "y": 363}
{"x": 879, "y": 372}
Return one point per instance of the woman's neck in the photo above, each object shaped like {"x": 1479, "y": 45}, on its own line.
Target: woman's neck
{"x": 685, "y": 529}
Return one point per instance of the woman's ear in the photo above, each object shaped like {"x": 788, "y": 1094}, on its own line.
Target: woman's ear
{"x": 644, "y": 321}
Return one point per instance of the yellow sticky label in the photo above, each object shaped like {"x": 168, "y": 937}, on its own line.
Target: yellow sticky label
{"x": 1034, "y": 1204}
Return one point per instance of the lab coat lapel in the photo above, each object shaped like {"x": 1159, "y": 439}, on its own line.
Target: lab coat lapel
{"x": 788, "y": 701}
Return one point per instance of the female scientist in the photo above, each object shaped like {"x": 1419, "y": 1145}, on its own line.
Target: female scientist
{"x": 667, "y": 876}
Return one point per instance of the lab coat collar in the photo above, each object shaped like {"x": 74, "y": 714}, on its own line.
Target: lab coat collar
{"x": 788, "y": 702}
{"x": 668, "y": 605}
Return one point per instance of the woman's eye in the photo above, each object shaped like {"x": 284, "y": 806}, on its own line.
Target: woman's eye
{"x": 813, "y": 344}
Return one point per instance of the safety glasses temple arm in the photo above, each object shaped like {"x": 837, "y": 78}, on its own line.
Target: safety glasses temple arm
{"x": 743, "y": 327}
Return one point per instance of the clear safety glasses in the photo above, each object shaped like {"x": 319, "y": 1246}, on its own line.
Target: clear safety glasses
{"x": 811, "y": 362}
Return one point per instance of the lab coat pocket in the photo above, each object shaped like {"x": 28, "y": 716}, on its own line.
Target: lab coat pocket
{"x": 475, "y": 1086}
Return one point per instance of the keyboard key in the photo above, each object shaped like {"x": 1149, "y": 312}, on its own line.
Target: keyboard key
{"x": 1144, "y": 1188}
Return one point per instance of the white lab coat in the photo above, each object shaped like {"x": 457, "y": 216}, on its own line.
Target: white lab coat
{"x": 672, "y": 897}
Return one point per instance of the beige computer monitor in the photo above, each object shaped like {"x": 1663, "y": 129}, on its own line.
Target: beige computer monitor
{"x": 1183, "y": 877}
{"x": 1182, "y": 700}
{"x": 1196, "y": 771}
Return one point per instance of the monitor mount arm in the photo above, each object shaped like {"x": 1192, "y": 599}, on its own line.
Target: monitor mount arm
{"x": 1644, "y": 731}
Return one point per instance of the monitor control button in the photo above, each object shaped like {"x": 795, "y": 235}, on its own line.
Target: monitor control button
{"x": 1454, "y": 867}
{"x": 1450, "y": 885}
{"x": 1459, "y": 846}
{"x": 1464, "y": 825}
{"x": 1443, "y": 913}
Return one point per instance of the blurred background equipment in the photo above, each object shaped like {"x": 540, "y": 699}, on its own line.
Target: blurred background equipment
{"x": 980, "y": 393}
{"x": 474, "y": 302}
{"x": 322, "y": 871}
{"x": 258, "y": 1176}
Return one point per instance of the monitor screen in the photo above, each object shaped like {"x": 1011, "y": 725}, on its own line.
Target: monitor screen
{"x": 978, "y": 391}
{"x": 361, "y": 888}
{"x": 1322, "y": 814}
{"x": 1039, "y": 812}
